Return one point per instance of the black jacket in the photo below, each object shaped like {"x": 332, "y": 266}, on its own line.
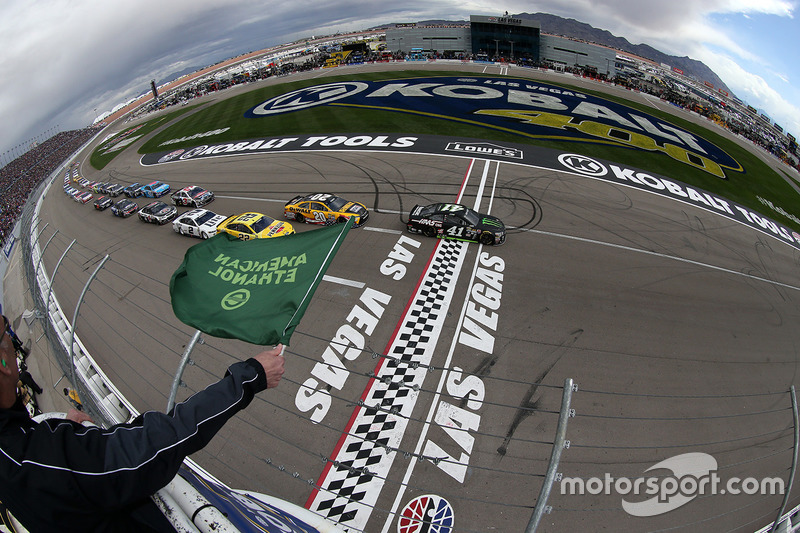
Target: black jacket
{"x": 61, "y": 476}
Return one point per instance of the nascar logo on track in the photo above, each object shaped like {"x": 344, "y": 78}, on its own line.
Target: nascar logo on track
{"x": 426, "y": 514}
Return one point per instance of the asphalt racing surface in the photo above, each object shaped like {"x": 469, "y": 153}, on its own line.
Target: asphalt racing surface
{"x": 678, "y": 327}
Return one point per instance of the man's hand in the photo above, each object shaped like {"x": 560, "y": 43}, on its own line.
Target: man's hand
{"x": 272, "y": 361}
{"x": 78, "y": 416}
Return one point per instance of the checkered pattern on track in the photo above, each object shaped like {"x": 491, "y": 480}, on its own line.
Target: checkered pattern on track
{"x": 355, "y": 476}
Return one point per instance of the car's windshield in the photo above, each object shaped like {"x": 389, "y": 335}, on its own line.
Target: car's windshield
{"x": 470, "y": 216}
{"x": 205, "y": 217}
{"x": 336, "y": 203}
{"x": 261, "y": 224}
{"x": 195, "y": 190}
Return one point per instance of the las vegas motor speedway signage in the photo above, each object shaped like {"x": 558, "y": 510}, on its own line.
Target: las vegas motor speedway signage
{"x": 518, "y": 154}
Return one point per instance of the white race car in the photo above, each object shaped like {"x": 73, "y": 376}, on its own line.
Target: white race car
{"x": 198, "y": 223}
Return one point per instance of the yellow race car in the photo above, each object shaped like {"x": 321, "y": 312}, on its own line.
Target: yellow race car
{"x": 248, "y": 226}
{"x": 327, "y": 209}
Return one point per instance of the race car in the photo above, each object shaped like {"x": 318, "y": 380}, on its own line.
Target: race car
{"x": 124, "y": 208}
{"x": 83, "y": 197}
{"x": 114, "y": 189}
{"x": 248, "y": 226}
{"x": 155, "y": 189}
{"x": 157, "y": 212}
{"x": 192, "y": 195}
{"x": 103, "y": 202}
{"x": 458, "y": 222}
{"x": 133, "y": 191}
{"x": 198, "y": 223}
{"x": 325, "y": 209}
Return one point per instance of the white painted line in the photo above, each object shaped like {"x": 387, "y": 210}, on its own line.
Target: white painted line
{"x": 383, "y": 230}
{"x": 479, "y": 195}
{"x": 250, "y": 198}
{"x": 665, "y": 256}
{"x": 342, "y": 281}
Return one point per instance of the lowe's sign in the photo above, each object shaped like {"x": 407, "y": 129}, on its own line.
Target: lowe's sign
{"x": 531, "y": 109}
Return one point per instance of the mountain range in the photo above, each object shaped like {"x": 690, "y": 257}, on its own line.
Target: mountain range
{"x": 572, "y": 28}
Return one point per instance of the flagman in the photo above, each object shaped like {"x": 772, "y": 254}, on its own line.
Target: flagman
{"x": 60, "y": 475}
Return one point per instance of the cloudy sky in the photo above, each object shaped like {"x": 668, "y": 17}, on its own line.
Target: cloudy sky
{"x": 64, "y": 62}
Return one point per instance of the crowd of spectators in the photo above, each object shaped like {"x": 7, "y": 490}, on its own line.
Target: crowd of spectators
{"x": 21, "y": 176}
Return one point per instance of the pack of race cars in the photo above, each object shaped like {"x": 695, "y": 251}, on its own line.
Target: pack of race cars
{"x": 440, "y": 220}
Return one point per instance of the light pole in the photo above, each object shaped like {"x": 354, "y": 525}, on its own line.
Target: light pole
{"x": 496, "y": 48}
{"x": 512, "y": 50}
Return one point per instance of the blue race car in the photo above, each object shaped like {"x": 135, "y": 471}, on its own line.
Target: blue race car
{"x": 155, "y": 189}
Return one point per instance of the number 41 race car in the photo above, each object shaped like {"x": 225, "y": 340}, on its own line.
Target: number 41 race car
{"x": 458, "y": 222}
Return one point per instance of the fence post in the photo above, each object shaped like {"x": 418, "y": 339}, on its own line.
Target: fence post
{"x": 794, "y": 460}
{"x": 53, "y": 277}
{"x": 181, "y": 367}
{"x": 41, "y": 257}
{"x": 75, "y": 319}
{"x": 555, "y": 457}
{"x": 35, "y": 239}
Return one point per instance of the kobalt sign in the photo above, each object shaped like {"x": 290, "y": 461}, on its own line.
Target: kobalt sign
{"x": 530, "y": 109}
{"x": 310, "y": 142}
{"x": 678, "y": 191}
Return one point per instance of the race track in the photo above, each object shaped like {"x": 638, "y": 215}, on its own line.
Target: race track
{"x": 677, "y": 325}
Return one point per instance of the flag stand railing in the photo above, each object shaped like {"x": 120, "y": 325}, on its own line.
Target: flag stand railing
{"x": 185, "y": 360}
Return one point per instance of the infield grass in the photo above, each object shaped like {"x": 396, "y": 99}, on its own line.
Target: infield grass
{"x": 758, "y": 179}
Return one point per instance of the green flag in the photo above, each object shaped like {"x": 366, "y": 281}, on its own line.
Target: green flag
{"x": 257, "y": 290}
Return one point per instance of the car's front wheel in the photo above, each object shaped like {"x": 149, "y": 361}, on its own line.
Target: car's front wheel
{"x": 204, "y": 235}
{"x": 487, "y": 238}
{"x": 429, "y": 231}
